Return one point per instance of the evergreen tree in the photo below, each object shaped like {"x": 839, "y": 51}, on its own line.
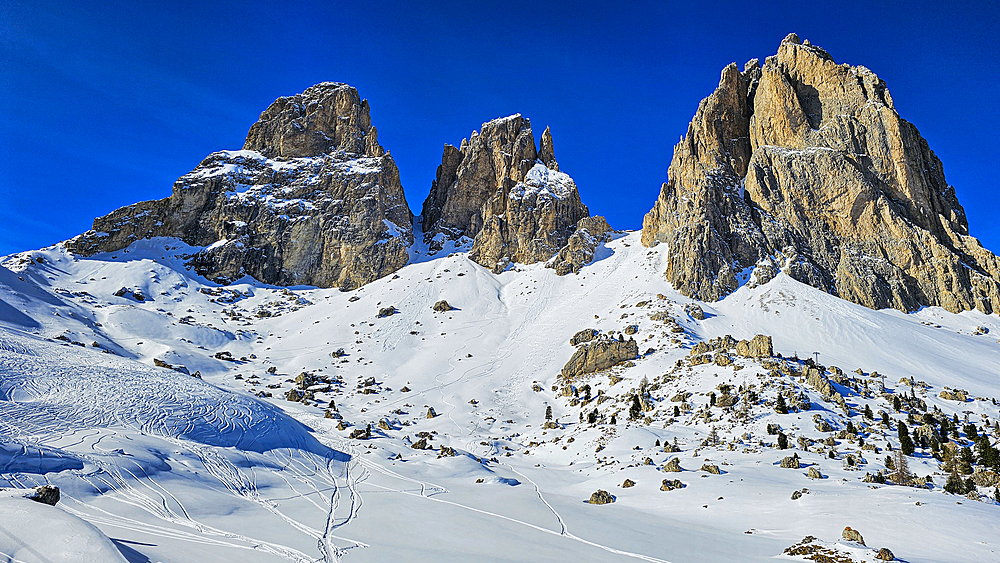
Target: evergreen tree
{"x": 592, "y": 417}
{"x": 966, "y": 461}
{"x": 986, "y": 454}
{"x": 970, "y": 485}
{"x": 885, "y": 418}
{"x": 897, "y": 405}
{"x": 782, "y": 441}
{"x": 548, "y": 412}
{"x": 586, "y": 392}
{"x": 711, "y": 399}
{"x": 905, "y": 443}
{"x": 996, "y": 493}
{"x": 943, "y": 431}
{"x": 657, "y": 442}
{"x": 635, "y": 411}
{"x": 614, "y": 420}
{"x": 955, "y": 485}
{"x": 868, "y": 413}
{"x": 779, "y": 405}
{"x": 970, "y": 431}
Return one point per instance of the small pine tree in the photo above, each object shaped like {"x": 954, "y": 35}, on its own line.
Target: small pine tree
{"x": 782, "y": 441}
{"x": 888, "y": 462}
{"x": 996, "y": 494}
{"x": 970, "y": 485}
{"x": 943, "y": 431}
{"x": 897, "y": 405}
{"x": 986, "y": 454}
{"x": 592, "y": 417}
{"x": 779, "y": 406}
{"x": 954, "y": 485}
{"x": 657, "y": 442}
{"x": 868, "y": 413}
{"x": 711, "y": 399}
{"x": 586, "y": 393}
{"x": 635, "y": 411}
{"x": 850, "y": 428}
{"x": 548, "y": 412}
{"x": 965, "y": 461}
{"x": 905, "y": 443}
{"x": 885, "y": 418}
{"x": 677, "y": 411}
{"x": 614, "y": 419}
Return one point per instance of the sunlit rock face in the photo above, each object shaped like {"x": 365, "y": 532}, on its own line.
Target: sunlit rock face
{"x": 804, "y": 165}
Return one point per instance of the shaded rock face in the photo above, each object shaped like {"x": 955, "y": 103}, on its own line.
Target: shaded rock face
{"x": 804, "y": 165}
{"x": 311, "y": 199}
{"x": 581, "y": 246}
{"x": 508, "y": 198}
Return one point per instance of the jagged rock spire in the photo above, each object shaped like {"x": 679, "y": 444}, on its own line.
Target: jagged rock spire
{"x": 805, "y": 165}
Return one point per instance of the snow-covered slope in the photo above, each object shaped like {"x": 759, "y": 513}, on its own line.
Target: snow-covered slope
{"x": 222, "y": 466}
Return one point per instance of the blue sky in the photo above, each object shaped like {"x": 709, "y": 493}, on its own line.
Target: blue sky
{"x": 105, "y": 104}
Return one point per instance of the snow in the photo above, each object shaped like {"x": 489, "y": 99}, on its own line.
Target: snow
{"x": 31, "y": 532}
{"x": 542, "y": 181}
{"x": 177, "y": 468}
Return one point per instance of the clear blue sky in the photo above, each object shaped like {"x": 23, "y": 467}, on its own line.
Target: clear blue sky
{"x": 103, "y": 104}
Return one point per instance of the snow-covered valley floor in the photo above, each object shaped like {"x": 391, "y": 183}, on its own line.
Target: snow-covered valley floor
{"x": 221, "y": 467}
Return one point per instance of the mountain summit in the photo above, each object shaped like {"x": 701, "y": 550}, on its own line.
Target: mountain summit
{"x": 312, "y": 199}
{"x": 511, "y": 200}
{"x": 805, "y": 165}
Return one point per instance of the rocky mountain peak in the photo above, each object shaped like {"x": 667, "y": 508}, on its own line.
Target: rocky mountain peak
{"x": 327, "y": 117}
{"x": 803, "y": 164}
{"x": 311, "y": 199}
{"x": 510, "y": 199}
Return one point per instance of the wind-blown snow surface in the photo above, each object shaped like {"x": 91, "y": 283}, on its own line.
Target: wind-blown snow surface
{"x": 176, "y": 468}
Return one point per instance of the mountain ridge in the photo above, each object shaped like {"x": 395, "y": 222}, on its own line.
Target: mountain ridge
{"x": 797, "y": 164}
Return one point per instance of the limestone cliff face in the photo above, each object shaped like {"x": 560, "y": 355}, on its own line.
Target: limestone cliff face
{"x": 805, "y": 165}
{"x": 509, "y": 199}
{"x": 311, "y": 199}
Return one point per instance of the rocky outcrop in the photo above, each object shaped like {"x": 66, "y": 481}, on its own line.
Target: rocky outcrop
{"x": 600, "y": 354}
{"x": 585, "y": 335}
{"x": 804, "y": 165}
{"x": 509, "y": 199}
{"x": 45, "y": 494}
{"x": 311, "y": 199}
{"x": 579, "y": 250}
{"x": 850, "y": 534}
{"x": 757, "y": 347}
{"x": 601, "y": 496}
